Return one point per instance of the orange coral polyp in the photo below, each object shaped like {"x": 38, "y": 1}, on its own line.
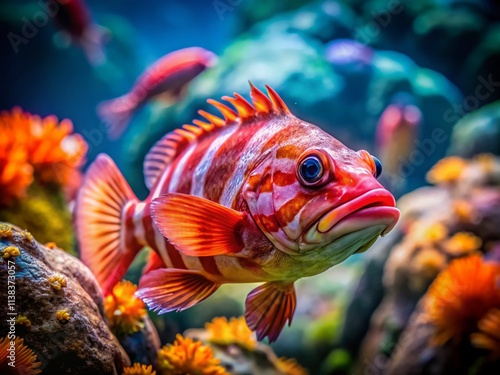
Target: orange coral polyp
{"x": 447, "y": 170}
{"x": 124, "y": 311}
{"x": 138, "y": 369}
{"x": 26, "y": 361}
{"x": 462, "y": 243}
{"x": 186, "y": 356}
{"x": 235, "y": 331}
{"x": 460, "y": 296}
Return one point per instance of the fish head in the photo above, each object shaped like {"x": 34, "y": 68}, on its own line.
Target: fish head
{"x": 317, "y": 200}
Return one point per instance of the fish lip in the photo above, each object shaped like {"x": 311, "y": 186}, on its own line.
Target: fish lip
{"x": 377, "y": 204}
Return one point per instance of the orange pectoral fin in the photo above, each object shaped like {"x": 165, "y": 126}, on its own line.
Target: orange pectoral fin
{"x": 268, "y": 307}
{"x": 198, "y": 226}
{"x": 168, "y": 290}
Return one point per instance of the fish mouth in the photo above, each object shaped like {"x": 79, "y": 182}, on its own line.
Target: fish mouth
{"x": 374, "y": 208}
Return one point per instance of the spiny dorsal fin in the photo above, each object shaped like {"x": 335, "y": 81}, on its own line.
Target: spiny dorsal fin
{"x": 172, "y": 144}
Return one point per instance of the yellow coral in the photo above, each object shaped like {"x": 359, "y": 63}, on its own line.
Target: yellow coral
{"x": 463, "y": 210}
{"x": 447, "y": 170}
{"x": 25, "y": 363}
{"x": 429, "y": 262}
{"x": 63, "y": 316}
{"x": 186, "y": 356}
{"x": 436, "y": 232}
{"x": 462, "y": 243}
{"x": 460, "y": 296}
{"x": 235, "y": 331}
{"x": 28, "y": 236}
{"x": 488, "y": 336}
{"x": 486, "y": 161}
{"x": 138, "y": 369}
{"x": 289, "y": 366}
{"x": 51, "y": 245}
{"x": 5, "y": 231}
{"x": 23, "y": 321}
{"x": 124, "y": 311}
{"x": 57, "y": 282}
{"x": 10, "y": 252}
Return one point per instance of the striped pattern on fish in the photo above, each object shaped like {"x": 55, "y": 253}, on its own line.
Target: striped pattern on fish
{"x": 258, "y": 196}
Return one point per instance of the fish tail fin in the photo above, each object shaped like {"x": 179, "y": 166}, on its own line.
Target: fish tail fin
{"x": 116, "y": 114}
{"x": 103, "y": 214}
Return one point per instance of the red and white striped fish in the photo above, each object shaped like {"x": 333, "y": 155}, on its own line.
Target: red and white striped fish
{"x": 259, "y": 196}
{"x": 167, "y": 79}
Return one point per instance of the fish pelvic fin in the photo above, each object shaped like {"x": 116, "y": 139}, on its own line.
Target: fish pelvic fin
{"x": 116, "y": 114}
{"x": 166, "y": 290}
{"x": 103, "y": 216}
{"x": 268, "y": 307}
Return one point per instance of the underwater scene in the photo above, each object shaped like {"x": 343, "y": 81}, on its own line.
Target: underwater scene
{"x": 239, "y": 187}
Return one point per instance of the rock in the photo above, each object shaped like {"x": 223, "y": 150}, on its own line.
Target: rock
{"x": 143, "y": 345}
{"x": 62, "y": 301}
{"x": 477, "y": 133}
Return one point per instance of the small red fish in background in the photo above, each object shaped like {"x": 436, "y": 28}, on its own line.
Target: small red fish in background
{"x": 167, "y": 78}
{"x": 74, "y": 18}
{"x": 258, "y": 196}
{"x": 397, "y": 131}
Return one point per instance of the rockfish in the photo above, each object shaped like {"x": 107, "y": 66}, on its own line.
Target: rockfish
{"x": 258, "y": 196}
{"x": 74, "y": 18}
{"x": 167, "y": 78}
{"x": 397, "y": 131}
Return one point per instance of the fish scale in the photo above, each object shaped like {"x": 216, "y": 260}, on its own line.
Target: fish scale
{"x": 230, "y": 203}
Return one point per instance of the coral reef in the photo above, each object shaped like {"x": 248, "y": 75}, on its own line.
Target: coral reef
{"x": 463, "y": 300}
{"x": 457, "y": 218}
{"x": 238, "y": 351}
{"x": 66, "y": 331}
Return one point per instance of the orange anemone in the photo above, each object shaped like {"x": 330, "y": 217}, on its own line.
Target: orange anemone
{"x": 460, "y": 296}
{"x": 23, "y": 358}
{"x": 16, "y": 174}
{"x": 44, "y": 147}
{"x": 186, "y": 356}
{"x": 124, "y": 311}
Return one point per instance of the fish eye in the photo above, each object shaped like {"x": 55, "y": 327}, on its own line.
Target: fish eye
{"x": 311, "y": 169}
{"x": 378, "y": 167}
{"x": 315, "y": 169}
